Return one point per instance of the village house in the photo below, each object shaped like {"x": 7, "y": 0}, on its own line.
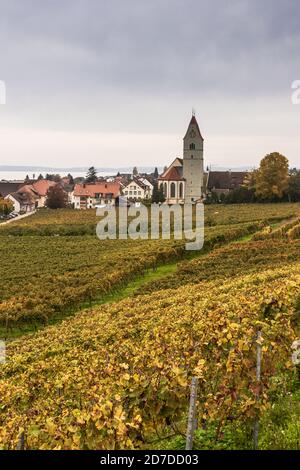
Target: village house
{"x": 24, "y": 200}
{"x": 138, "y": 189}
{"x": 41, "y": 187}
{"x": 28, "y": 197}
{"x": 8, "y": 187}
{"x": 222, "y": 182}
{"x": 89, "y": 196}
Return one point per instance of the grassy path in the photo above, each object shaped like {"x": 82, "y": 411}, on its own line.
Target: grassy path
{"x": 129, "y": 290}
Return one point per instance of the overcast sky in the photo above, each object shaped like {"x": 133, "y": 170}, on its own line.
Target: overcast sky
{"x": 113, "y": 82}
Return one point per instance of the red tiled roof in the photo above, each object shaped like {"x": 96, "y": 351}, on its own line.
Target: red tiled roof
{"x": 172, "y": 175}
{"x": 42, "y": 186}
{"x": 91, "y": 190}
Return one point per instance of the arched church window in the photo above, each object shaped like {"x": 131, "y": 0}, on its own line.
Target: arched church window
{"x": 172, "y": 189}
{"x": 192, "y": 146}
{"x": 165, "y": 189}
{"x": 180, "y": 190}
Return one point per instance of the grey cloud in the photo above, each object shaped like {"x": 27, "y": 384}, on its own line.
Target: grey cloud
{"x": 141, "y": 45}
{"x": 140, "y": 65}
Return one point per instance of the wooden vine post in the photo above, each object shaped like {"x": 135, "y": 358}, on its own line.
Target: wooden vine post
{"x": 192, "y": 414}
{"x": 21, "y": 441}
{"x": 257, "y": 387}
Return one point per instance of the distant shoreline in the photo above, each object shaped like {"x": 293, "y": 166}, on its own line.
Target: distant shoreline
{"x": 69, "y": 169}
{"x": 16, "y": 173}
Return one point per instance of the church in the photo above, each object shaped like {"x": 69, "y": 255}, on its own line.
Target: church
{"x": 185, "y": 180}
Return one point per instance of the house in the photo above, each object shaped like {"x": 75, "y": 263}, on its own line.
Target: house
{"x": 222, "y": 182}
{"x": 29, "y": 197}
{"x": 68, "y": 187}
{"x": 146, "y": 180}
{"x": 41, "y": 188}
{"x": 8, "y": 187}
{"x": 88, "y": 196}
{"x": 25, "y": 199}
{"x": 138, "y": 189}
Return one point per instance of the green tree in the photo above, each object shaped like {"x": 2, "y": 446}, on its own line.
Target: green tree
{"x": 293, "y": 190}
{"x": 135, "y": 171}
{"x": 272, "y": 178}
{"x": 57, "y": 178}
{"x": 155, "y": 174}
{"x": 71, "y": 179}
{"x": 53, "y": 177}
{"x": 40, "y": 177}
{"x": 155, "y": 193}
{"x": 91, "y": 176}
{"x": 56, "y": 197}
{"x": 158, "y": 194}
{"x": 240, "y": 195}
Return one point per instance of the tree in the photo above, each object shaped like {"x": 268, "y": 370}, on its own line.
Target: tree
{"x": 56, "y": 197}
{"x": 40, "y": 177}
{"x": 57, "y": 178}
{"x": 135, "y": 171}
{"x": 155, "y": 174}
{"x": 293, "y": 190}
{"x": 272, "y": 178}
{"x": 158, "y": 194}
{"x": 71, "y": 179}
{"x": 240, "y": 195}
{"x": 161, "y": 193}
{"x": 212, "y": 198}
{"x": 53, "y": 177}
{"x": 6, "y": 206}
{"x": 91, "y": 176}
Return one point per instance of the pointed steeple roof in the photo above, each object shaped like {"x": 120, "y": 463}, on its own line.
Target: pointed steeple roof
{"x": 193, "y": 123}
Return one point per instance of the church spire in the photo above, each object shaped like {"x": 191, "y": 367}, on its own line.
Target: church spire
{"x": 193, "y": 125}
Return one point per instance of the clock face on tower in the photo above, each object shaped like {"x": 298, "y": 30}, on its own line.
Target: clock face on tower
{"x": 192, "y": 134}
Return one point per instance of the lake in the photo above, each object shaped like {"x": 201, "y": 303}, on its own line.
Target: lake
{"x": 21, "y": 175}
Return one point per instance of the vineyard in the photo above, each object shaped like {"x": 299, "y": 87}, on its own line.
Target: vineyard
{"x": 117, "y": 375}
{"x": 67, "y": 222}
{"x": 47, "y": 277}
{"x": 232, "y": 261}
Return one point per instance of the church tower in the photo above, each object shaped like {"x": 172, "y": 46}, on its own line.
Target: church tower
{"x": 193, "y": 162}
